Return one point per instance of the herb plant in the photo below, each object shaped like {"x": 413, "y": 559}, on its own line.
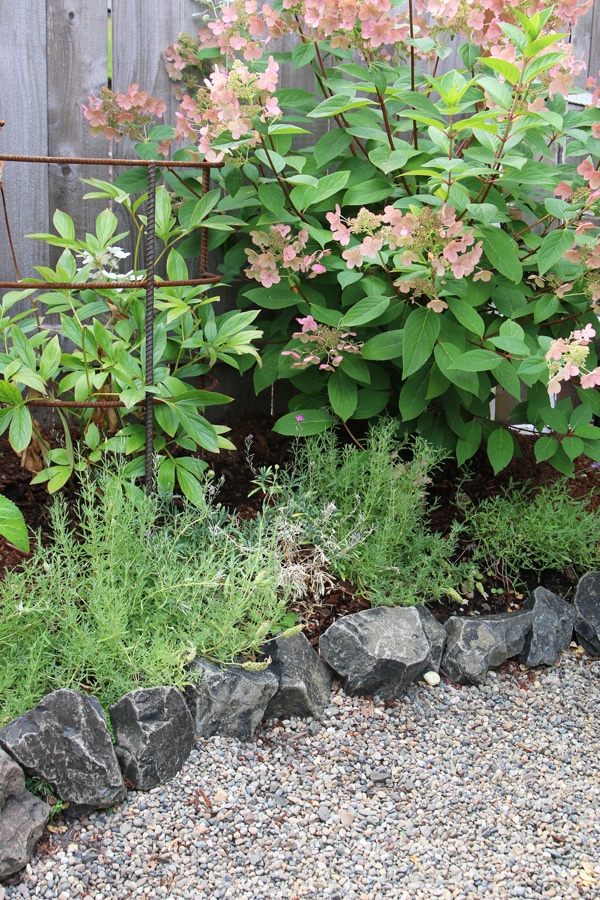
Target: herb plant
{"x": 119, "y": 600}
{"x": 520, "y": 531}
{"x": 379, "y": 497}
{"x": 133, "y": 586}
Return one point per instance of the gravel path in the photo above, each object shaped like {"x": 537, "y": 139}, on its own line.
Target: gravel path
{"x": 452, "y": 792}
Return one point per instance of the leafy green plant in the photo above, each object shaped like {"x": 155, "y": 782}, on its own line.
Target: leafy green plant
{"x": 41, "y": 789}
{"x": 12, "y": 524}
{"x": 105, "y": 363}
{"x": 121, "y": 600}
{"x": 378, "y": 501}
{"x": 439, "y": 235}
{"x": 523, "y": 531}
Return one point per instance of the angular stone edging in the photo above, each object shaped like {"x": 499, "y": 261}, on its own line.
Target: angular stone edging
{"x": 382, "y": 650}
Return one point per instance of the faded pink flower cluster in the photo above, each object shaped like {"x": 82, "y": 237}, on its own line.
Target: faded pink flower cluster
{"x": 588, "y": 194}
{"x": 374, "y": 30}
{"x": 551, "y": 284}
{"x": 482, "y": 17}
{"x": 367, "y": 26}
{"x": 227, "y": 104}
{"x": 280, "y": 251}
{"x": 481, "y": 21}
{"x": 566, "y": 359}
{"x": 588, "y": 256}
{"x": 425, "y": 244}
{"x": 591, "y": 173}
{"x": 328, "y": 345}
{"x": 115, "y": 114}
{"x": 241, "y": 27}
{"x": 183, "y": 64}
{"x": 593, "y": 86}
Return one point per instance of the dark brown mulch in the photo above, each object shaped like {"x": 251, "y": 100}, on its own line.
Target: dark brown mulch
{"x": 270, "y": 449}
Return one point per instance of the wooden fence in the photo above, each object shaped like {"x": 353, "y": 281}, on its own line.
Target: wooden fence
{"x": 53, "y": 55}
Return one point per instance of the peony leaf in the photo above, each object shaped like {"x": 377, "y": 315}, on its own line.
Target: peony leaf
{"x": 12, "y": 525}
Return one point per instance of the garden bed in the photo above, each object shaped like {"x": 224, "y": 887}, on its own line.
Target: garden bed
{"x": 477, "y": 481}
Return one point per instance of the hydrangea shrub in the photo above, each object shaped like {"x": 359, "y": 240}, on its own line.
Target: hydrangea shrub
{"x": 436, "y": 239}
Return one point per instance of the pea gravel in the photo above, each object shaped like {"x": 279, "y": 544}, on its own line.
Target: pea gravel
{"x": 450, "y": 792}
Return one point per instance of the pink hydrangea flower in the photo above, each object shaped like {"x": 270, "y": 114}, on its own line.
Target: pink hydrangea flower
{"x": 437, "y": 305}
{"x": 563, "y": 190}
{"x": 353, "y": 257}
{"x": 308, "y": 324}
{"x": 570, "y": 371}
{"x": 590, "y": 173}
{"x": 556, "y": 350}
{"x": 591, "y": 379}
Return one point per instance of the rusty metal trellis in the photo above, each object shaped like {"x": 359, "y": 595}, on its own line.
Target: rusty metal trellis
{"x": 147, "y": 283}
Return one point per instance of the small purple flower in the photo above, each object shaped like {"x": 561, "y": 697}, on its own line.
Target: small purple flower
{"x": 299, "y": 418}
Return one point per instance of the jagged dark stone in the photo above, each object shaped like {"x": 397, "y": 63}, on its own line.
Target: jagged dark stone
{"x": 435, "y": 634}
{"x": 154, "y": 735}
{"x": 477, "y": 644}
{"x": 552, "y": 628}
{"x": 231, "y": 701}
{"x": 304, "y": 679}
{"x": 23, "y": 818}
{"x": 587, "y": 613}
{"x": 65, "y": 740}
{"x": 379, "y": 651}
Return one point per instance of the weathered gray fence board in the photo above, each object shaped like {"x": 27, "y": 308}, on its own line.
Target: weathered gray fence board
{"x": 586, "y": 40}
{"x": 77, "y": 56}
{"x": 23, "y": 99}
{"x": 142, "y": 29}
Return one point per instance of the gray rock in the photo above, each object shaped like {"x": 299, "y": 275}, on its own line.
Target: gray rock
{"x": 477, "y": 644}
{"x": 378, "y": 651}
{"x": 22, "y": 818}
{"x": 12, "y": 779}
{"x": 154, "y": 735}
{"x": 552, "y": 628}
{"x": 435, "y": 634}
{"x": 230, "y": 702}
{"x": 66, "y": 742}
{"x": 304, "y": 679}
{"x": 587, "y": 613}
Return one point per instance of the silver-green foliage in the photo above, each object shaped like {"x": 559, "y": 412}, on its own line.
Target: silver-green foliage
{"x": 521, "y": 531}
{"x": 137, "y": 587}
{"x": 379, "y": 495}
{"x": 118, "y": 602}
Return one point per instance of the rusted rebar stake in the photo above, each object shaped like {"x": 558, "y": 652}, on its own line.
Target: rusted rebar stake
{"x": 203, "y": 231}
{"x": 149, "y": 325}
